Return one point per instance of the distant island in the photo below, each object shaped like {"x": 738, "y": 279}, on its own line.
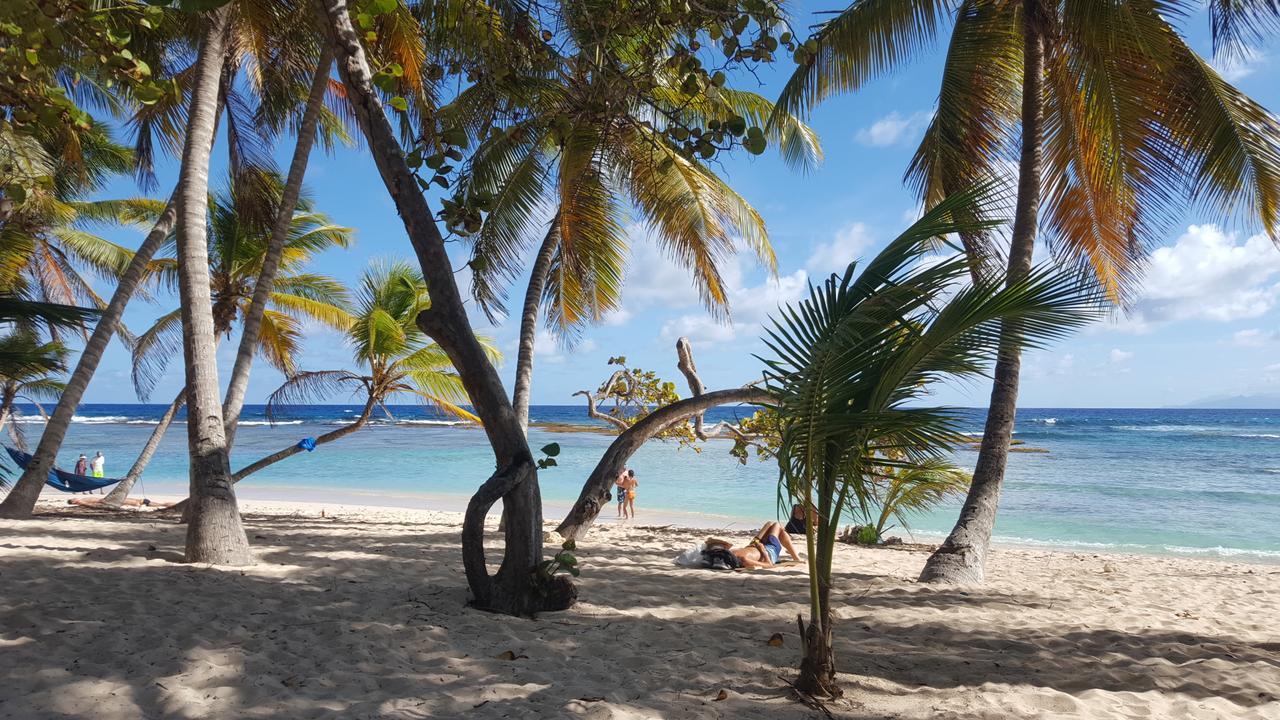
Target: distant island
{"x": 1252, "y": 401}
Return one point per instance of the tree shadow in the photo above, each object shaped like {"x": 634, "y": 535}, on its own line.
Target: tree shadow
{"x": 374, "y": 624}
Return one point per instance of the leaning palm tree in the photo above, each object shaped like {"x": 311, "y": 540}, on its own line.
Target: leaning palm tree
{"x": 395, "y": 357}
{"x": 1111, "y": 119}
{"x": 278, "y": 43}
{"x": 851, "y": 365}
{"x": 238, "y": 250}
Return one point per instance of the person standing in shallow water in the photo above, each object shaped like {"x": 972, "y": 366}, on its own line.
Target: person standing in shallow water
{"x": 620, "y": 487}
{"x": 99, "y": 464}
{"x": 82, "y": 465}
{"x": 631, "y": 484}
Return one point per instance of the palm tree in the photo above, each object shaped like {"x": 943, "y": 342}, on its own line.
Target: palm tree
{"x": 44, "y": 242}
{"x": 1118, "y": 122}
{"x": 588, "y": 167}
{"x": 214, "y": 532}
{"x": 395, "y": 358}
{"x": 239, "y": 250}
{"x": 851, "y": 365}
{"x": 278, "y": 45}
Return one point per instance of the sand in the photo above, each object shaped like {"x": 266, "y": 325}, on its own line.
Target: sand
{"x": 361, "y": 614}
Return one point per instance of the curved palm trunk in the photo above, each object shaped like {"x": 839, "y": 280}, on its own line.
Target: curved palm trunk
{"x": 121, "y": 491}
{"x": 252, "y": 327}
{"x": 215, "y": 533}
{"x": 22, "y": 499}
{"x": 592, "y": 498}
{"x": 529, "y": 322}
{"x": 292, "y": 450}
{"x": 962, "y": 557}
{"x": 514, "y": 589}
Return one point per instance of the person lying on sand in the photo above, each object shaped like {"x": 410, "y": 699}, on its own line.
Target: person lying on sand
{"x": 129, "y": 502}
{"x": 764, "y": 550}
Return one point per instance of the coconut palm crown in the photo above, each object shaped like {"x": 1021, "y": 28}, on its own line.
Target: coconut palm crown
{"x": 237, "y": 246}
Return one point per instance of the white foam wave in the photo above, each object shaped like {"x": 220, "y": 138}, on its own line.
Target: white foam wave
{"x": 1272, "y": 436}
{"x": 267, "y": 422}
{"x": 1048, "y": 421}
{"x": 1222, "y": 551}
{"x": 1216, "y": 551}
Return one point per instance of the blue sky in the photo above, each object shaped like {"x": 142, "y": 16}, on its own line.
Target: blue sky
{"x": 1206, "y": 323}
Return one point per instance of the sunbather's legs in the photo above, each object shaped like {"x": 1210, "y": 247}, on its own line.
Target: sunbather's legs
{"x": 785, "y": 538}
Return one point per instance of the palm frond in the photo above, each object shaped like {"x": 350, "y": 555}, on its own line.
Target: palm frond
{"x": 868, "y": 39}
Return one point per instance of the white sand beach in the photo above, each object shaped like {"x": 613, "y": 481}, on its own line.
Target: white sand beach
{"x": 360, "y": 613}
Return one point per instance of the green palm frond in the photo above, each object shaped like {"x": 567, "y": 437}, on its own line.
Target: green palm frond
{"x": 1230, "y": 145}
{"x": 304, "y": 308}
{"x": 312, "y": 386}
{"x": 152, "y": 351}
{"x": 850, "y": 365}
{"x": 917, "y": 489}
{"x": 585, "y": 280}
{"x": 869, "y": 39}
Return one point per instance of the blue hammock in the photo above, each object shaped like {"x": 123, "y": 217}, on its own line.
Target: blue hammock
{"x": 63, "y": 480}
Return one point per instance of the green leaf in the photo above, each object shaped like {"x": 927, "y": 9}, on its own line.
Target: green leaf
{"x": 396, "y": 69}
{"x": 382, "y": 7}
{"x": 551, "y": 450}
{"x": 399, "y": 103}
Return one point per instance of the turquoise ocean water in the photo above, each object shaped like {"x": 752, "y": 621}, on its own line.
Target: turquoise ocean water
{"x": 1187, "y": 482}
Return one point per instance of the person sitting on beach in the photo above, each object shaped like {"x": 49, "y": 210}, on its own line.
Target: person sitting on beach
{"x": 797, "y": 525}
{"x": 764, "y": 550}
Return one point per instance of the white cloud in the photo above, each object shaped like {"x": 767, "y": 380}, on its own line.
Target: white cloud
{"x": 1254, "y": 337}
{"x": 893, "y": 128}
{"x": 1235, "y": 69}
{"x": 1118, "y": 356}
{"x": 849, "y": 243}
{"x": 750, "y": 307}
{"x": 1207, "y": 275}
{"x": 653, "y": 279}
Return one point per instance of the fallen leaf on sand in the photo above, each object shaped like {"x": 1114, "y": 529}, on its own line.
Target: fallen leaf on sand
{"x": 591, "y": 699}
{"x": 724, "y": 695}
{"x": 509, "y": 655}
{"x": 775, "y": 640}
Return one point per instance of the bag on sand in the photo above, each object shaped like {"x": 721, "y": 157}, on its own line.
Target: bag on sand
{"x": 691, "y": 558}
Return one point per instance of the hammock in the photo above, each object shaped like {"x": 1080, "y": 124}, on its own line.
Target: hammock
{"x": 63, "y": 480}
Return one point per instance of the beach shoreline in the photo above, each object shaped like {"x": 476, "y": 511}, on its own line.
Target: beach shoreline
{"x": 359, "y": 611}
{"x": 659, "y": 517}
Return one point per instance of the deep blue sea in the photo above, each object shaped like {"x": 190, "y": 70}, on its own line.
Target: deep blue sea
{"x": 1193, "y": 482}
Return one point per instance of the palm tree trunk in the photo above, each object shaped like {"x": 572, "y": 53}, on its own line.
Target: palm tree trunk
{"x": 962, "y": 557}
{"x": 6, "y": 407}
{"x": 292, "y": 450}
{"x": 22, "y": 499}
{"x": 529, "y": 322}
{"x": 239, "y": 382}
{"x": 591, "y": 500}
{"x": 512, "y": 590}
{"x": 818, "y": 657}
{"x": 121, "y": 491}
{"x": 215, "y": 533}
